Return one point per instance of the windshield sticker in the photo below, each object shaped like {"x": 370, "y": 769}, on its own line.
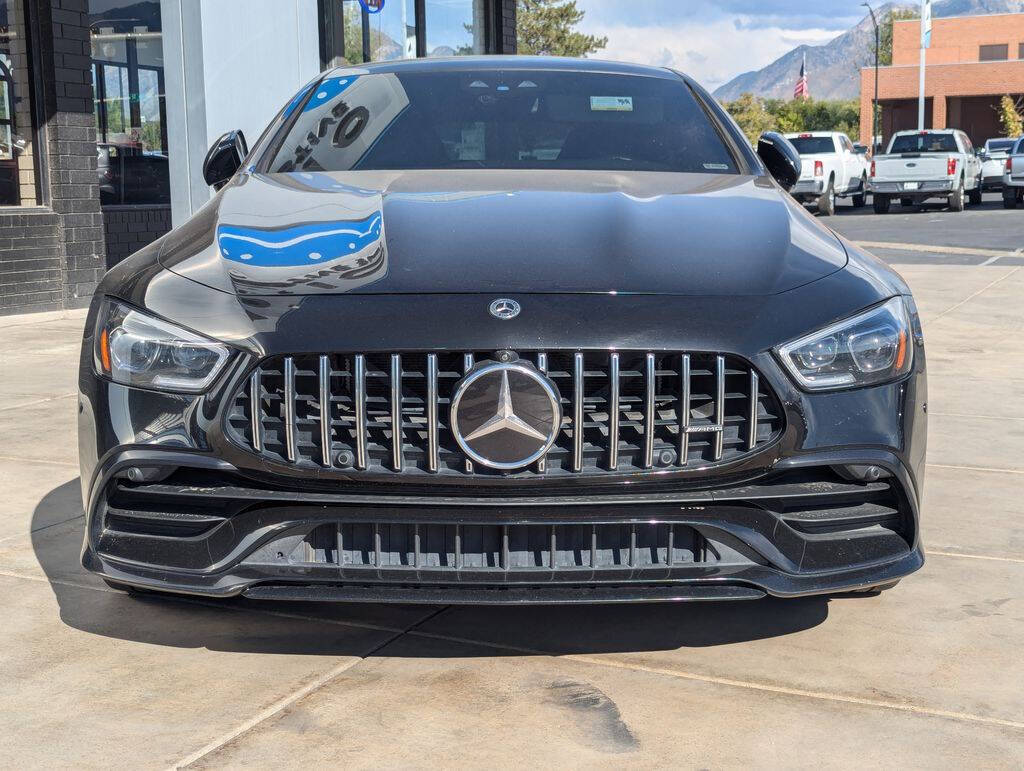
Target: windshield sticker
{"x": 716, "y": 166}
{"x": 611, "y": 103}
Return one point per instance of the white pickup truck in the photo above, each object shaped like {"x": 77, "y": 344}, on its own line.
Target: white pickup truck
{"x": 919, "y": 165}
{"x": 831, "y": 169}
{"x": 1013, "y": 176}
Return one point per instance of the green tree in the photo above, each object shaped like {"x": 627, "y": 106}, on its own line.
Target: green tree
{"x": 885, "y": 33}
{"x": 750, "y": 113}
{"x": 1010, "y": 117}
{"x": 546, "y": 28}
{"x": 756, "y": 115}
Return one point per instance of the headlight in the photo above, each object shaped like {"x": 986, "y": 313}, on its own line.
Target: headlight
{"x": 869, "y": 348}
{"x": 137, "y": 349}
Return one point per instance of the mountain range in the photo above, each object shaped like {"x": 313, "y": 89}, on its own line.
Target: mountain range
{"x": 833, "y": 69}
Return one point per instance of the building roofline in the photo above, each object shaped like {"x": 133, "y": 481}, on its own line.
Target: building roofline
{"x": 871, "y": 68}
{"x": 917, "y": 20}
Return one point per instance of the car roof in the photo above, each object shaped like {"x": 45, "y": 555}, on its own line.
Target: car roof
{"x": 813, "y": 134}
{"x": 905, "y": 132}
{"x": 499, "y": 63}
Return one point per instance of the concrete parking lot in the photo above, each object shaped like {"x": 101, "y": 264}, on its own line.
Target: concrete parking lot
{"x": 930, "y": 673}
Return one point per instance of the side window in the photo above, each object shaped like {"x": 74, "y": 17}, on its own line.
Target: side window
{"x": 968, "y": 147}
{"x": 847, "y": 144}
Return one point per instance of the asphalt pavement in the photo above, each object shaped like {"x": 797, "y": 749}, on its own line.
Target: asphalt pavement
{"x": 985, "y": 234}
{"x": 928, "y": 674}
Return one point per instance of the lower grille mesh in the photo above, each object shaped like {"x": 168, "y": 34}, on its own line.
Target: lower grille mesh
{"x": 503, "y": 547}
{"x": 622, "y": 411}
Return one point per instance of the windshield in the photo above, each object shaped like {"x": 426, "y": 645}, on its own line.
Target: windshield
{"x": 999, "y": 145}
{"x": 813, "y": 145}
{"x": 521, "y": 119}
{"x": 926, "y": 142}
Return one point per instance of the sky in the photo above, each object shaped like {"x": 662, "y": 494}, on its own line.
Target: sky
{"x": 714, "y": 41}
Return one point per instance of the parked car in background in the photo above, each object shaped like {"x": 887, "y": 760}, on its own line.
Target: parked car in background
{"x": 920, "y": 165}
{"x": 993, "y": 161}
{"x": 832, "y": 168}
{"x": 1013, "y": 176}
{"x": 130, "y": 175}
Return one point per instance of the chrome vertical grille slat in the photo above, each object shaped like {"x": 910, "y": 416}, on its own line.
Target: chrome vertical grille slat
{"x": 359, "y": 408}
{"x": 256, "y": 410}
{"x": 432, "y": 426}
{"x": 577, "y": 411}
{"x": 289, "y": 408}
{"x": 613, "y": 412}
{"x": 325, "y": 410}
{"x": 752, "y": 417}
{"x": 684, "y": 408}
{"x": 719, "y": 434}
{"x": 542, "y": 365}
{"x": 622, "y": 411}
{"x": 396, "y": 411}
{"x": 649, "y": 393}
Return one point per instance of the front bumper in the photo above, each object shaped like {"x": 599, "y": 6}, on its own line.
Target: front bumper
{"x": 173, "y": 505}
{"x": 208, "y": 529}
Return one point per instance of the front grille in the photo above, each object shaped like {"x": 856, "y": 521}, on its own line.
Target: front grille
{"x": 622, "y": 411}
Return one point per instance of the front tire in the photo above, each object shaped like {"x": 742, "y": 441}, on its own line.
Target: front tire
{"x": 861, "y": 198}
{"x": 956, "y": 200}
{"x": 881, "y": 203}
{"x": 827, "y": 200}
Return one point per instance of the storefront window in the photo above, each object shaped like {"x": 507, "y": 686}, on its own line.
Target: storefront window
{"x": 455, "y": 27}
{"x": 356, "y": 31}
{"x": 128, "y": 87}
{"x": 18, "y": 161}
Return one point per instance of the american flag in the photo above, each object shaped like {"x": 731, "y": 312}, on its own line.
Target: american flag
{"x": 801, "y": 91}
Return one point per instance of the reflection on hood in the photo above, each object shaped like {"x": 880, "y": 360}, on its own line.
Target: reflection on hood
{"x": 329, "y": 255}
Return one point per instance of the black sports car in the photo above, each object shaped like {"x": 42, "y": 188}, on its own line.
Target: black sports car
{"x": 502, "y": 330}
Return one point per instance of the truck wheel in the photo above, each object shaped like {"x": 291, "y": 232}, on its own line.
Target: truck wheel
{"x": 881, "y": 203}
{"x": 827, "y": 200}
{"x": 956, "y": 200}
{"x": 1009, "y": 198}
{"x": 861, "y": 197}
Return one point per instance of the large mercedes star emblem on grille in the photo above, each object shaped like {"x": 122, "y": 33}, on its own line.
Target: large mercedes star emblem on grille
{"x": 505, "y": 416}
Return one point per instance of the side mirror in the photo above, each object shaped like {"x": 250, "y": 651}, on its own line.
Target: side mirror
{"x": 780, "y": 157}
{"x": 224, "y": 158}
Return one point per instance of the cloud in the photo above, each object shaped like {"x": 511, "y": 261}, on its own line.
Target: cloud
{"x": 713, "y": 51}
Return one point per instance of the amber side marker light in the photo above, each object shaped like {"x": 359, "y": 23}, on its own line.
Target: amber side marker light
{"x": 105, "y": 352}
{"x": 901, "y": 352}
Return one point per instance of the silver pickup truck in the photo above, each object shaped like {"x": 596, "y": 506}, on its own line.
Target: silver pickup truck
{"x": 919, "y": 165}
{"x": 1013, "y": 176}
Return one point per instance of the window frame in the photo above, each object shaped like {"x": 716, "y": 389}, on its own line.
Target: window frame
{"x": 36, "y": 129}
{"x": 1004, "y": 47}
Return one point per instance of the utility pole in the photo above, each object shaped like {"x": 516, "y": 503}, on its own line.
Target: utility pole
{"x": 874, "y": 104}
{"x": 926, "y": 41}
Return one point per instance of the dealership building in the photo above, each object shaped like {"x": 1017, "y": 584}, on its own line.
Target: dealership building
{"x": 972, "y": 63}
{"x": 107, "y": 109}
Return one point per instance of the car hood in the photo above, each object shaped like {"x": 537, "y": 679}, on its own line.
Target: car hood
{"x": 502, "y": 232}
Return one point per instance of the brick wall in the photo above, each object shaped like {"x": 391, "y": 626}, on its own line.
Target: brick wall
{"x": 942, "y": 82}
{"x": 31, "y": 270}
{"x": 507, "y": 27}
{"x": 957, "y": 39}
{"x": 129, "y": 228}
{"x": 71, "y": 225}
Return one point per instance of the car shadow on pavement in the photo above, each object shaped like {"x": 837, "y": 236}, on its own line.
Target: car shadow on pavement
{"x": 251, "y": 626}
